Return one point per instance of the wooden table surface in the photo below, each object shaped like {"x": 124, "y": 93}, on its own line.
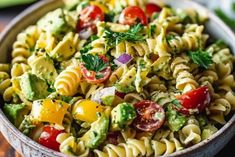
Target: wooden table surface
{"x": 7, "y": 151}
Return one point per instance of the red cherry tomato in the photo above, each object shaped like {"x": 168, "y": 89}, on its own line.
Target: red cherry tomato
{"x": 195, "y": 99}
{"x": 152, "y": 8}
{"x": 150, "y": 116}
{"x": 48, "y": 137}
{"x": 119, "y": 94}
{"x": 132, "y": 15}
{"x": 91, "y": 76}
{"x": 113, "y": 137}
{"x": 88, "y": 18}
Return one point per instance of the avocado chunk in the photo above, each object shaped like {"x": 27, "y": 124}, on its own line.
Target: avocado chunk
{"x": 15, "y": 113}
{"x": 54, "y": 22}
{"x": 44, "y": 68}
{"x": 208, "y": 131}
{"x": 174, "y": 119}
{"x": 33, "y": 87}
{"x": 124, "y": 88}
{"x": 64, "y": 49}
{"x": 122, "y": 116}
{"x": 97, "y": 133}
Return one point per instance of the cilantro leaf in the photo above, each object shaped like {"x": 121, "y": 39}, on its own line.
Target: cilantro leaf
{"x": 202, "y": 58}
{"x": 94, "y": 63}
{"x": 110, "y": 17}
{"x": 133, "y": 34}
{"x": 152, "y": 30}
{"x": 99, "y": 76}
{"x": 170, "y": 37}
{"x": 176, "y": 103}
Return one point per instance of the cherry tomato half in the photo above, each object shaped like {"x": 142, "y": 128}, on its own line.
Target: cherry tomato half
{"x": 88, "y": 18}
{"x": 150, "y": 116}
{"x": 48, "y": 137}
{"x": 112, "y": 137}
{"x": 96, "y": 77}
{"x": 195, "y": 99}
{"x": 132, "y": 15}
{"x": 152, "y": 8}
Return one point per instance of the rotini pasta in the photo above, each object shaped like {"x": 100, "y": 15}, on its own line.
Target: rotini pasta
{"x": 110, "y": 79}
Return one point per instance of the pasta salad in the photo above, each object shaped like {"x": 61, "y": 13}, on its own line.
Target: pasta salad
{"x": 118, "y": 78}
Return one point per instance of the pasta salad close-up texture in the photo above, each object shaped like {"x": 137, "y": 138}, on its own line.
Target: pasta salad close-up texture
{"x": 112, "y": 78}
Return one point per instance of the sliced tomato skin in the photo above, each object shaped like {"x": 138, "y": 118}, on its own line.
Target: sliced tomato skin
{"x": 48, "y": 137}
{"x": 90, "y": 76}
{"x": 146, "y": 112}
{"x": 152, "y": 8}
{"x": 133, "y": 14}
{"x": 119, "y": 94}
{"x": 88, "y": 18}
{"x": 112, "y": 137}
{"x": 196, "y": 99}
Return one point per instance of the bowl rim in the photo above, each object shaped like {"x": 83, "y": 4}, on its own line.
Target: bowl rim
{"x": 35, "y": 145}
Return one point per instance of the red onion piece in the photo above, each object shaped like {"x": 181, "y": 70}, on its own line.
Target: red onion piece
{"x": 123, "y": 59}
{"x": 85, "y": 33}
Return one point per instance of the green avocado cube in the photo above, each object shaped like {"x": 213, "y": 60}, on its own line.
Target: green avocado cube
{"x": 54, "y": 22}
{"x": 122, "y": 116}
{"x": 33, "y": 87}
{"x": 15, "y": 113}
{"x": 97, "y": 134}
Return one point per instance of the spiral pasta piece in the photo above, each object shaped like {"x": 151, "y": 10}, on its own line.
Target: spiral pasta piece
{"x": 162, "y": 98}
{"x": 191, "y": 132}
{"x": 24, "y": 44}
{"x": 134, "y": 49}
{"x": 6, "y": 89}
{"x": 67, "y": 82}
{"x": 189, "y": 41}
{"x": 128, "y": 133}
{"x": 70, "y": 146}
{"x": 218, "y": 109}
{"x": 155, "y": 84}
{"x": 142, "y": 147}
{"x": 19, "y": 69}
{"x": 184, "y": 79}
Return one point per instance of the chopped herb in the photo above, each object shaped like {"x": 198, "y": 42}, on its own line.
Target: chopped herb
{"x": 94, "y": 63}
{"x": 51, "y": 89}
{"x": 66, "y": 99}
{"x": 152, "y": 30}
{"x": 85, "y": 49}
{"x": 109, "y": 17}
{"x": 202, "y": 58}
{"x": 99, "y": 76}
{"x": 132, "y": 35}
{"x": 177, "y": 103}
{"x": 220, "y": 43}
{"x": 170, "y": 37}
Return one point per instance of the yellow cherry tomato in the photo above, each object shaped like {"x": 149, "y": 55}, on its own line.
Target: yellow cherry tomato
{"x": 86, "y": 110}
{"x": 101, "y": 6}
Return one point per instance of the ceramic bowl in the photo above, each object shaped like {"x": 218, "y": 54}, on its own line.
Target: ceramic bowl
{"x": 29, "y": 148}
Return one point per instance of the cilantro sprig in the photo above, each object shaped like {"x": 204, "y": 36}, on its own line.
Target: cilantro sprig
{"x": 94, "y": 62}
{"x": 133, "y": 34}
{"x": 200, "y": 57}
